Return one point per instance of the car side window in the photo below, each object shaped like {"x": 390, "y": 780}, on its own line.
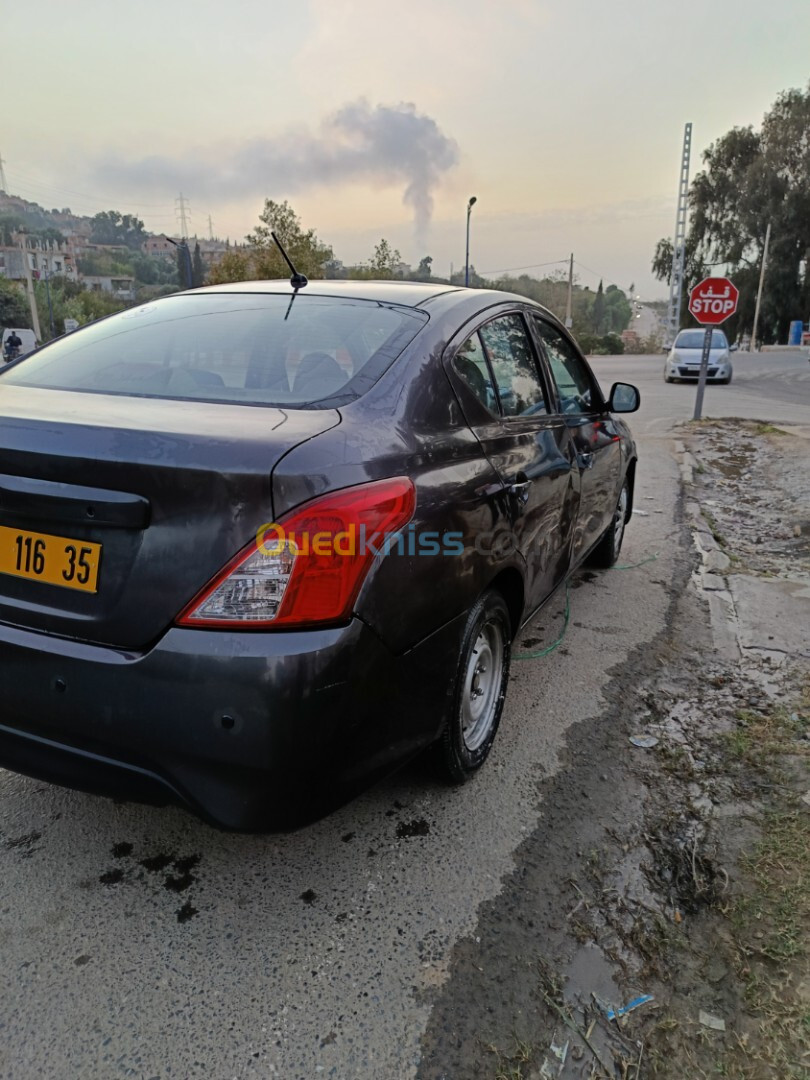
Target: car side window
{"x": 471, "y": 364}
{"x": 513, "y": 364}
{"x": 575, "y": 384}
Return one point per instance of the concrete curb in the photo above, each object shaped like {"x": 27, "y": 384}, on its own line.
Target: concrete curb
{"x": 710, "y": 579}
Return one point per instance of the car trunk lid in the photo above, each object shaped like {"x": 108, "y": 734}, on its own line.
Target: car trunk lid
{"x": 159, "y": 494}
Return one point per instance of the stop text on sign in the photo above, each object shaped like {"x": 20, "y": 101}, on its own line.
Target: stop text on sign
{"x": 713, "y": 307}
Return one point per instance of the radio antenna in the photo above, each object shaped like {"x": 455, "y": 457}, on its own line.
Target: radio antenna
{"x": 298, "y": 281}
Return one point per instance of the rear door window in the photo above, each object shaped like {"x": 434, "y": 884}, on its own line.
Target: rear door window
{"x": 471, "y": 364}
{"x": 512, "y": 361}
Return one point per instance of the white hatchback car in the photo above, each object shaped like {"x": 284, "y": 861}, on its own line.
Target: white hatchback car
{"x": 683, "y": 359}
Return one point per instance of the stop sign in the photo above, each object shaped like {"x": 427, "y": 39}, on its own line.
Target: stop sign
{"x": 713, "y": 300}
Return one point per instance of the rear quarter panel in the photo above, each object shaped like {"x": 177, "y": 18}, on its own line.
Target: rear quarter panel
{"x": 410, "y": 424}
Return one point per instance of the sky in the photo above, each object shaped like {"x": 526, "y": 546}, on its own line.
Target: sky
{"x": 379, "y": 119}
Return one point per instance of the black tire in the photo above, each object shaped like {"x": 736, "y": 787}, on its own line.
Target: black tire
{"x": 668, "y": 378}
{"x": 606, "y": 552}
{"x": 465, "y": 744}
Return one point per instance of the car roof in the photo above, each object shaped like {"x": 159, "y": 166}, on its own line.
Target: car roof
{"x": 407, "y": 293}
{"x": 415, "y": 294}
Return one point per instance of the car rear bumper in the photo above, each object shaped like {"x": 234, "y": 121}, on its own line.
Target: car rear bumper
{"x": 249, "y": 730}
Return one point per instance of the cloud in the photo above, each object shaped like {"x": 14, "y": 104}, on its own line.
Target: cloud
{"x": 383, "y": 144}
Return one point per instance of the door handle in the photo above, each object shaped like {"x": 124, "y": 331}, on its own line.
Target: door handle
{"x": 585, "y": 460}
{"x": 520, "y": 487}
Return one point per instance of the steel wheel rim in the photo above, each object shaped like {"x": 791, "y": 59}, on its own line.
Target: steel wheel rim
{"x": 482, "y": 686}
{"x": 621, "y": 514}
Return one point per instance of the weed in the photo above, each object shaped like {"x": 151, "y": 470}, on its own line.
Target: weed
{"x": 713, "y": 528}
{"x": 509, "y": 1066}
{"x": 768, "y": 429}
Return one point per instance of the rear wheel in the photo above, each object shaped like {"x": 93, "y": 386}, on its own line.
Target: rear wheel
{"x": 606, "y": 552}
{"x": 483, "y": 673}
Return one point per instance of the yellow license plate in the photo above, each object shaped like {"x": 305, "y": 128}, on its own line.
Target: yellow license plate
{"x": 56, "y": 560}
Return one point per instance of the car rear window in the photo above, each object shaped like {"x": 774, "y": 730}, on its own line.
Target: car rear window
{"x": 693, "y": 339}
{"x": 255, "y": 348}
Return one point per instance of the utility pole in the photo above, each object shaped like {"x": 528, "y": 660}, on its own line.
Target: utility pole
{"x": 181, "y": 213}
{"x": 569, "y": 319}
{"x": 3, "y": 182}
{"x": 470, "y": 205}
{"x": 679, "y": 246}
{"x": 753, "y": 346}
{"x": 29, "y": 284}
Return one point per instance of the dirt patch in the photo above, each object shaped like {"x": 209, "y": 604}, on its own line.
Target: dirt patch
{"x": 753, "y": 485}
{"x": 655, "y": 923}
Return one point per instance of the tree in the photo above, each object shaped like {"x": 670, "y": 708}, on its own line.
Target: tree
{"x": 262, "y": 259}
{"x": 185, "y": 268}
{"x": 232, "y": 266}
{"x": 598, "y": 311}
{"x": 197, "y": 268}
{"x": 14, "y": 309}
{"x": 618, "y": 312}
{"x": 694, "y": 269}
{"x": 306, "y": 251}
{"x": 424, "y": 272}
{"x": 752, "y": 178}
{"x": 111, "y": 227}
{"x": 385, "y": 260}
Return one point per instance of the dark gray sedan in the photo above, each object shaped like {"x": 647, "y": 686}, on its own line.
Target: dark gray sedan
{"x": 259, "y": 545}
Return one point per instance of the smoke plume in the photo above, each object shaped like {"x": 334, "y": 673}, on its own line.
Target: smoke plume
{"x": 387, "y": 144}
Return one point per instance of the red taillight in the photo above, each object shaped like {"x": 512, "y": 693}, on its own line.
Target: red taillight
{"x": 307, "y": 569}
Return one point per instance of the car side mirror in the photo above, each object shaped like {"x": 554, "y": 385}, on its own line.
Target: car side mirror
{"x": 623, "y": 398}
{"x": 733, "y": 348}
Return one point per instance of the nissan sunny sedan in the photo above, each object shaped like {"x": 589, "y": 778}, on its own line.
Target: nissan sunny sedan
{"x": 684, "y": 358}
{"x": 259, "y": 545}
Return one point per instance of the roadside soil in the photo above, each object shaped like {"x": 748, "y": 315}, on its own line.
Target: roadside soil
{"x": 670, "y": 872}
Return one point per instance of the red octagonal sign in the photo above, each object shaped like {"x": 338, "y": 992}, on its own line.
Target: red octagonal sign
{"x": 713, "y": 300}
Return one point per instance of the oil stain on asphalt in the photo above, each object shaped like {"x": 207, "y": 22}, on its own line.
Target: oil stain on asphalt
{"x": 177, "y": 880}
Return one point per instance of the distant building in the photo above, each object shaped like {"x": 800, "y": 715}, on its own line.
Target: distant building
{"x": 44, "y": 257}
{"x": 121, "y": 287}
{"x": 158, "y": 246}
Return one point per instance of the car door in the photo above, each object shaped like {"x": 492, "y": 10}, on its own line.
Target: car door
{"x": 596, "y": 439}
{"x": 507, "y": 404}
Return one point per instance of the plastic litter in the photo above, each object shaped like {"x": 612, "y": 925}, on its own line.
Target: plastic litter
{"x": 712, "y": 1022}
{"x": 560, "y": 1052}
{"x": 549, "y": 1071}
{"x": 636, "y": 1003}
{"x": 646, "y": 742}
{"x": 642, "y": 513}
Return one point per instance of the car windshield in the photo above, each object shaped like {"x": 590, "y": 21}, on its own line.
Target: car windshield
{"x": 254, "y": 348}
{"x": 693, "y": 339}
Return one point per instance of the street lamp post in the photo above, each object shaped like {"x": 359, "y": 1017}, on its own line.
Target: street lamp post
{"x": 470, "y": 205}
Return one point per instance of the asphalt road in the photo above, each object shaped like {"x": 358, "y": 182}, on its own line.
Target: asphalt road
{"x": 138, "y": 942}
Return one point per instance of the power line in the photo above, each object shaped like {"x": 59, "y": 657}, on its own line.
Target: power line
{"x": 596, "y": 274}
{"x": 59, "y": 190}
{"x": 89, "y": 205}
{"x": 533, "y": 266}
